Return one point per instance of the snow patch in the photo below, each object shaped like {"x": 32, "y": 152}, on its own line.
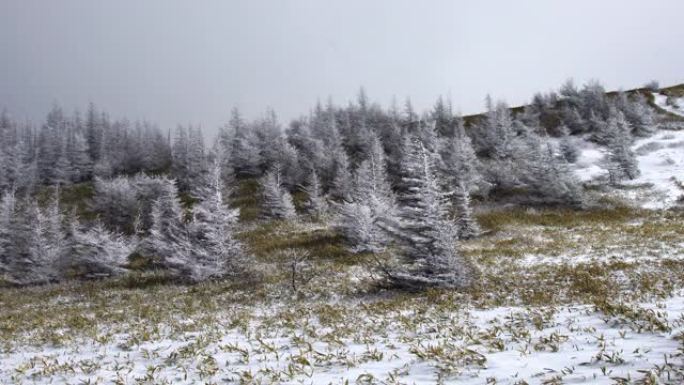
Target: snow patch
{"x": 661, "y": 165}
{"x": 677, "y": 109}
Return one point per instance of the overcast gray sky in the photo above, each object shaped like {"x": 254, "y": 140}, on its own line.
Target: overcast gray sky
{"x": 173, "y": 61}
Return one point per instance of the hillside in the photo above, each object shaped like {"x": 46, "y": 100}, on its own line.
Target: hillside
{"x": 562, "y": 292}
{"x": 563, "y": 295}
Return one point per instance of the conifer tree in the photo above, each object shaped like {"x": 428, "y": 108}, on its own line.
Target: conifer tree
{"x": 358, "y": 222}
{"x": 316, "y": 202}
{"x": 428, "y": 237}
{"x": 196, "y": 158}
{"x": 372, "y": 207}
{"x": 459, "y": 163}
{"x": 93, "y": 133}
{"x": 622, "y": 160}
{"x": 467, "y": 226}
{"x": 169, "y": 240}
{"x": 38, "y": 242}
{"x": 371, "y": 178}
{"x": 567, "y": 147}
{"x": 276, "y": 200}
{"x": 117, "y": 203}
{"x": 245, "y": 155}
{"x": 181, "y": 154}
{"x": 216, "y": 253}
{"x": 495, "y": 133}
{"x": 285, "y": 155}
{"x": 8, "y": 208}
{"x": 94, "y": 252}
{"x": 342, "y": 182}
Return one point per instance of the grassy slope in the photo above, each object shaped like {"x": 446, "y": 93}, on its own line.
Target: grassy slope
{"x": 676, "y": 91}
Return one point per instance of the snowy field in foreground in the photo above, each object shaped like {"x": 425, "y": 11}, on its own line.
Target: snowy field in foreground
{"x": 505, "y": 344}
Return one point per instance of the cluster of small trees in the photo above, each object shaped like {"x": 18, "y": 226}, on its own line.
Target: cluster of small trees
{"x": 587, "y": 110}
{"x": 136, "y": 215}
{"x": 72, "y": 149}
{"x": 37, "y": 244}
{"x": 395, "y": 183}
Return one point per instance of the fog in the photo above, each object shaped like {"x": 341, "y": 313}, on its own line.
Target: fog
{"x": 174, "y": 61}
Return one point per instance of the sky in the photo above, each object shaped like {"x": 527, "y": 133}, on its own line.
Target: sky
{"x": 189, "y": 62}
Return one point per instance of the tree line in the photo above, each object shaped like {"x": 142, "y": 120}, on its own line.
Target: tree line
{"x": 395, "y": 183}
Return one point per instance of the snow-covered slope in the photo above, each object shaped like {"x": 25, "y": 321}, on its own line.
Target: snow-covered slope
{"x": 661, "y": 162}
{"x": 590, "y": 163}
{"x": 661, "y": 165}
{"x": 661, "y": 101}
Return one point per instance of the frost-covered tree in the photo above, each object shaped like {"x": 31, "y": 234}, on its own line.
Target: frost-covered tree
{"x": 316, "y": 201}
{"x": 169, "y": 240}
{"x": 155, "y": 150}
{"x": 200, "y": 247}
{"x": 285, "y": 155}
{"x": 181, "y": 158}
{"x": 371, "y": 179}
{"x": 637, "y": 112}
{"x": 147, "y": 190}
{"x": 216, "y": 252}
{"x": 8, "y": 207}
{"x": 189, "y": 163}
{"x": 80, "y": 163}
{"x": 116, "y": 202}
{"x": 459, "y": 163}
{"x": 358, "y": 222}
{"x": 63, "y": 172}
{"x": 276, "y": 200}
{"x": 652, "y": 86}
{"x": 196, "y": 157}
{"x": 49, "y": 143}
{"x": 245, "y": 153}
{"x": 372, "y": 207}
{"x": 17, "y": 156}
{"x": 622, "y": 163}
{"x": 342, "y": 182}
{"x": 573, "y": 120}
{"x": 363, "y": 222}
{"x": 444, "y": 118}
{"x": 94, "y": 251}
{"x": 567, "y": 146}
{"x": 94, "y": 132}
{"x": 593, "y": 100}
{"x": 467, "y": 226}
{"x": 545, "y": 176}
{"x": 21, "y": 225}
{"x": 221, "y": 151}
{"x": 428, "y": 237}
{"x": 495, "y": 132}
{"x": 37, "y": 242}
{"x": 266, "y": 131}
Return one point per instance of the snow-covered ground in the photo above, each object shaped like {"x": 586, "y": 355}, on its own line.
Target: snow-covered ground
{"x": 661, "y": 101}
{"x": 661, "y": 162}
{"x": 575, "y": 344}
{"x": 661, "y": 165}
{"x": 589, "y": 164}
